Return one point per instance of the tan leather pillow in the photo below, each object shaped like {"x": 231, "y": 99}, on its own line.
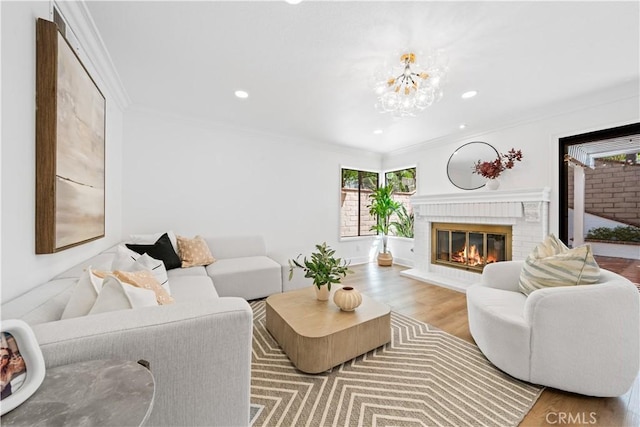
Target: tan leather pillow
{"x": 145, "y": 279}
{"x": 194, "y": 252}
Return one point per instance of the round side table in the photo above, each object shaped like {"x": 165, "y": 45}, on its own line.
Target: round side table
{"x": 93, "y": 393}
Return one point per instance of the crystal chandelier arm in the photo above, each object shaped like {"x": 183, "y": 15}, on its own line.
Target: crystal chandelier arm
{"x": 413, "y": 82}
{"x": 417, "y": 94}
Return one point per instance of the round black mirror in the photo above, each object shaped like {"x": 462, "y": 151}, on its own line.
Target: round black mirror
{"x": 462, "y": 164}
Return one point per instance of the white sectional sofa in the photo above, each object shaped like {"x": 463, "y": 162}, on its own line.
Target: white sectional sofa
{"x": 242, "y": 267}
{"x": 199, "y": 348}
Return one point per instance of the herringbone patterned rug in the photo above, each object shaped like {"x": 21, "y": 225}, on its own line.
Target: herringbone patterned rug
{"x": 423, "y": 377}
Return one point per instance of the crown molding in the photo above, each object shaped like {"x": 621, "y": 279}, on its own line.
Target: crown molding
{"x": 83, "y": 26}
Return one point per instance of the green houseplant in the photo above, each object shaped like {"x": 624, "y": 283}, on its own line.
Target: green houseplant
{"x": 382, "y": 207}
{"x": 403, "y": 227}
{"x": 323, "y": 268}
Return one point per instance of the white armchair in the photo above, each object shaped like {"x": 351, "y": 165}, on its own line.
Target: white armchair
{"x": 582, "y": 339}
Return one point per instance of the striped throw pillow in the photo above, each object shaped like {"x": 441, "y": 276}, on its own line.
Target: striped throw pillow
{"x": 552, "y": 264}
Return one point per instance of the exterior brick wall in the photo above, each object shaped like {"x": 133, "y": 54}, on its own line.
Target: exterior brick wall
{"x": 349, "y": 213}
{"x": 611, "y": 191}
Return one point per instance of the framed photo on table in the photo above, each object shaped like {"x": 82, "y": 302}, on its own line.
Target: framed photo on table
{"x": 22, "y": 367}
{"x": 70, "y": 146}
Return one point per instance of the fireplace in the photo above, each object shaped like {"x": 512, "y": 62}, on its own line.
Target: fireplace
{"x": 524, "y": 211}
{"x": 469, "y": 246}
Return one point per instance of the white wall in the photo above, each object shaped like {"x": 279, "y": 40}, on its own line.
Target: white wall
{"x": 22, "y": 269}
{"x": 537, "y": 137}
{"x": 198, "y": 178}
{"x": 186, "y": 175}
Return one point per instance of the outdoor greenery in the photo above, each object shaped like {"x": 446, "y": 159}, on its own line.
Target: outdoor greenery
{"x": 352, "y": 178}
{"x": 323, "y": 267}
{"x": 630, "y": 159}
{"x": 403, "y": 227}
{"x": 382, "y": 207}
{"x": 403, "y": 181}
{"x": 619, "y": 234}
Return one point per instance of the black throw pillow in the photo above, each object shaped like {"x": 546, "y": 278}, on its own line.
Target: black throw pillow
{"x": 162, "y": 249}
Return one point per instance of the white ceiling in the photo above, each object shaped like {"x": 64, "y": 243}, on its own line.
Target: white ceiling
{"x": 308, "y": 67}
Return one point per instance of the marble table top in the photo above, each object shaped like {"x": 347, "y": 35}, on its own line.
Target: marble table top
{"x": 93, "y": 393}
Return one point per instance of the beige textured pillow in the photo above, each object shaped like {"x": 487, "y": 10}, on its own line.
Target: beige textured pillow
{"x": 194, "y": 252}
{"x": 144, "y": 279}
{"x": 549, "y": 247}
{"x": 552, "y": 264}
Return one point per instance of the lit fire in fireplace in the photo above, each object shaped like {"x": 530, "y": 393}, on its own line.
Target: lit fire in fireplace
{"x": 473, "y": 257}
{"x": 469, "y": 246}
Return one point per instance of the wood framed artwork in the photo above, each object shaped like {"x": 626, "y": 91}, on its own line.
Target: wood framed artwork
{"x": 70, "y": 146}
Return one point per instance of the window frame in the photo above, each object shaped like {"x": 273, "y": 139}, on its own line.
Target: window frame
{"x": 386, "y": 171}
{"x": 398, "y": 169}
{"x": 359, "y": 170}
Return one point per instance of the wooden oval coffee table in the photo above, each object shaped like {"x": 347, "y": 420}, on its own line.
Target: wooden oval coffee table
{"x": 317, "y": 335}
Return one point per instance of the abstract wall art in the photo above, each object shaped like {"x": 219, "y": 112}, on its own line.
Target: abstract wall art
{"x": 70, "y": 146}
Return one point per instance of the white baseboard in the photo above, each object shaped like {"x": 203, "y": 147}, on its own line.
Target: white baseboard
{"x": 359, "y": 260}
{"x": 405, "y": 262}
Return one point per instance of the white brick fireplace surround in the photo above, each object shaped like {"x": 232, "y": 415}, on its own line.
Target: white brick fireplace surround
{"x": 527, "y": 211}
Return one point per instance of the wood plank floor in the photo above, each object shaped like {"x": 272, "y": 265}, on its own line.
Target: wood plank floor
{"x": 447, "y": 310}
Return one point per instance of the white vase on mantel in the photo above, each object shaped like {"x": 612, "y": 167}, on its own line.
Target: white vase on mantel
{"x": 493, "y": 184}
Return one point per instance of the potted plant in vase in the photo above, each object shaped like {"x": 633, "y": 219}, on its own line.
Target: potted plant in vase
{"x": 383, "y": 206}
{"x": 323, "y": 268}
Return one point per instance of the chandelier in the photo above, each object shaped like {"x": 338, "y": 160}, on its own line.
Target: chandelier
{"x": 406, "y": 91}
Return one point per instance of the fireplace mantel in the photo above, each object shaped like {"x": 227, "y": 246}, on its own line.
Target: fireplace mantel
{"x": 524, "y": 195}
{"x": 525, "y": 210}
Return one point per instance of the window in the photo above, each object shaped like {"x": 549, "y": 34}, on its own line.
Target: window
{"x": 403, "y": 183}
{"x": 354, "y": 214}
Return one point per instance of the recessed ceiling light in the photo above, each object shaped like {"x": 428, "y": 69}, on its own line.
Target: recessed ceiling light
{"x": 469, "y": 94}
{"x": 241, "y": 94}
{"x": 377, "y": 131}
{"x": 462, "y": 126}
{"x": 293, "y": 1}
